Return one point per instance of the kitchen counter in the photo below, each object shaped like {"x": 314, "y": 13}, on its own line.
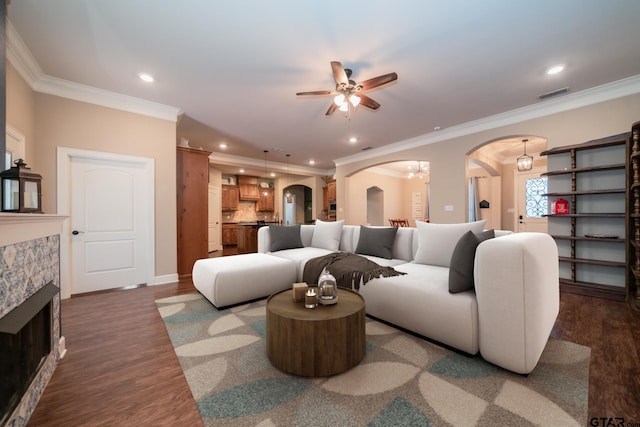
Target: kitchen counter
{"x": 248, "y": 235}
{"x": 258, "y": 223}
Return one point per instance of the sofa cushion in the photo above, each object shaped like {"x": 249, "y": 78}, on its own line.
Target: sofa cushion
{"x": 437, "y": 241}
{"x": 464, "y": 254}
{"x": 376, "y": 241}
{"x": 326, "y": 235}
{"x": 420, "y": 302}
{"x": 284, "y": 237}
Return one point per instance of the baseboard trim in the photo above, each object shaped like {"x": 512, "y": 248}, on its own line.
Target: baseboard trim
{"x": 167, "y": 278}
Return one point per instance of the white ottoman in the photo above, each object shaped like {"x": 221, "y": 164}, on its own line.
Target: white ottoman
{"x": 239, "y": 278}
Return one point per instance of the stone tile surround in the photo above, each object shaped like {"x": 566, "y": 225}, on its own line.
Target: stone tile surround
{"x": 25, "y": 267}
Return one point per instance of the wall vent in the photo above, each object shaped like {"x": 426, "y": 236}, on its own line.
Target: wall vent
{"x": 554, "y": 93}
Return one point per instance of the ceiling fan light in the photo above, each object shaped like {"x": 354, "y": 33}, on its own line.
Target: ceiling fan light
{"x": 344, "y": 106}
{"x": 355, "y": 100}
{"x": 339, "y": 99}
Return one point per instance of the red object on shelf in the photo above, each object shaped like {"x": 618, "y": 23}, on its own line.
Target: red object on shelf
{"x": 560, "y": 207}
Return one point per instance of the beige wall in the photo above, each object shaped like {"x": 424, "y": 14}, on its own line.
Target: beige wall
{"x": 21, "y": 106}
{"x": 49, "y": 122}
{"x": 447, "y": 158}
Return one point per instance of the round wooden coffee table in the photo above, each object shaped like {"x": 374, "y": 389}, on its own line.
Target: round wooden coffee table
{"x": 317, "y": 342}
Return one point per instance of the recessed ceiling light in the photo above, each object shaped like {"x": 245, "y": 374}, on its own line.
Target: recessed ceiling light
{"x": 312, "y": 162}
{"x": 272, "y": 174}
{"x": 241, "y": 170}
{"x": 555, "y": 69}
{"x": 353, "y": 139}
{"x": 146, "y": 77}
{"x": 222, "y": 145}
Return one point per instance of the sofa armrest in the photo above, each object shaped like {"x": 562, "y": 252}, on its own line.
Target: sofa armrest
{"x": 518, "y": 295}
{"x": 264, "y": 240}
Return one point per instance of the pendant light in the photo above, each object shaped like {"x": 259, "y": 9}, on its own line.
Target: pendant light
{"x": 288, "y": 193}
{"x": 525, "y": 162}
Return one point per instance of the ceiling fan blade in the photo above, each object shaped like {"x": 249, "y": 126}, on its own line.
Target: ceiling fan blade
{"x": 378, "y": 81}
{"x": 368, "y": 102}
{"x": 316, "y": 92}
{"x": 339, "y": 74}
{"x": 331, "y": 109}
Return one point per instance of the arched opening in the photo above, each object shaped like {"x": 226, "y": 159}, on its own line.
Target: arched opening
{"x": 297, "y": 205}
{"x": 375, "y": 206}
{"x": 403, "y": 189}
{"x": 508, "y": 198}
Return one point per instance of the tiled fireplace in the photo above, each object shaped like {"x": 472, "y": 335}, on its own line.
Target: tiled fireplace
{"x": 30, "y": 333}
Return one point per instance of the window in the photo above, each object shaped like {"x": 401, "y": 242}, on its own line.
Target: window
{"x": 535, "y": 200}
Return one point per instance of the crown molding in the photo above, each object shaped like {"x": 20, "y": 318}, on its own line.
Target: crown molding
{"x": 79, "y": 92}
{"x": 21, "y": 58}
{"x": 606, "y": 92}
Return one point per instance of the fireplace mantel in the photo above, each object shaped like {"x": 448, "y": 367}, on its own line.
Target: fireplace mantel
{"x": 19, "y": 227}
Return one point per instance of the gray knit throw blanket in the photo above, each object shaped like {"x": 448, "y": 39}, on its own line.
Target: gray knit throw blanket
{"x": 348, "y": 269}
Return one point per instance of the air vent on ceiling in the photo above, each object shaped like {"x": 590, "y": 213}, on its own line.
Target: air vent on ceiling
{"x": 367, "y": 148}
{"x": 554, "y": 93}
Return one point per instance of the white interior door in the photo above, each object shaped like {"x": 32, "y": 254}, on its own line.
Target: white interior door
{"x": 214, "y": 219}
{"x": 531, "y": 204}
{"x": 109, "y": 232}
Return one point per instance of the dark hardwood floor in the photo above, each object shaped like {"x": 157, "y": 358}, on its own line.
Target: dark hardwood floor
{"x": 121, "y": 370}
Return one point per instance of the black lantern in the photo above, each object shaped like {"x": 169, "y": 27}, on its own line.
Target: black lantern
{"x": 21, "y": 189}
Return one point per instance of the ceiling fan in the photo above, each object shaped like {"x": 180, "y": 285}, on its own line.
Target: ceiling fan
{"x": 348, "y": 91}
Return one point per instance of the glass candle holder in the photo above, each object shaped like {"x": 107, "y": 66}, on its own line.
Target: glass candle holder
{"x": 327, "y": 289}
{"x": 310, "y": 299}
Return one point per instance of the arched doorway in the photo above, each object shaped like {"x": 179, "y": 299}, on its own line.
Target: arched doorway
{"x": 403, "y": 187}
{"x": 499, "y": 192}
{"x": 297, "y": 205}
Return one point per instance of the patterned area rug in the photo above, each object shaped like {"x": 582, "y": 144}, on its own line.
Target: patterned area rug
{"x": 402, "y": 380}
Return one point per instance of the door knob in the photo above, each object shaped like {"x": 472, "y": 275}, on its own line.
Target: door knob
{"x": 76, "y": 232}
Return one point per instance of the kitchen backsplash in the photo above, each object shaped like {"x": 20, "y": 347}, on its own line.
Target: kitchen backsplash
{"x": 247, "y": 212}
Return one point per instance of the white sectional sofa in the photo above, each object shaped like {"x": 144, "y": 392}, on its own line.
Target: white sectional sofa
{"x": 506, "y": 314}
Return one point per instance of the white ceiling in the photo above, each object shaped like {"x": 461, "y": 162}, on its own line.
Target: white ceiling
{"x": 233, "y": 67}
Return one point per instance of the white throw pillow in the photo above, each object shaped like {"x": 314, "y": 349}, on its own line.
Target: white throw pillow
{"x": 436, "y": 242}
{"x": 326, "y": 235}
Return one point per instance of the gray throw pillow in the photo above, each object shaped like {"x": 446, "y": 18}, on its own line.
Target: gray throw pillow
{"x": 462, "y": 260}
{"x": 285, "y": 237}
{"x": 376, "y": 241}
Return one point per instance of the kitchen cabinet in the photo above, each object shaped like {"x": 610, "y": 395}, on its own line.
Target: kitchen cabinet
{"x": 331, "y": 191}
{"x": 230, "y": 197}
{"x": 325, "y": 199}
{"x": 248, "y": 187}
{"x": 192, "y": 173}
{"x": 229, "y": 234}
{"x": 247, "y": 238}
{"x": 266, "y": 200}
